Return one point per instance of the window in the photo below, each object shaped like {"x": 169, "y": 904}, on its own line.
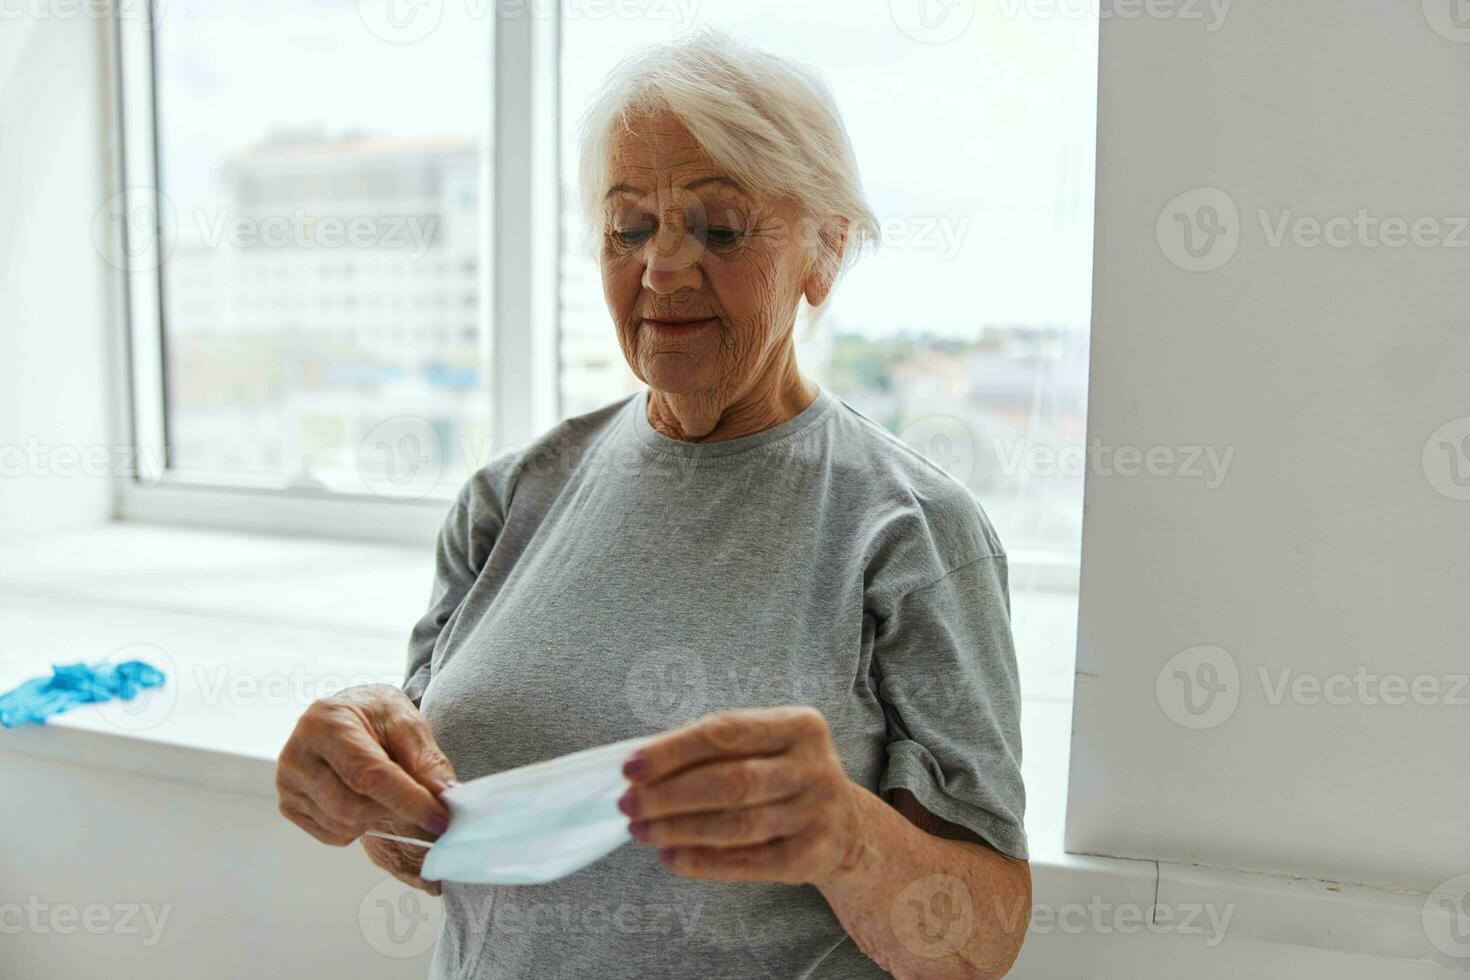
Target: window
{"x": 319, "y": 318}
{"x": 313, "y": 174}
{"x": 966, "y": 331}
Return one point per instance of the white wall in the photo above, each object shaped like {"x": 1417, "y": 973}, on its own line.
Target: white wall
{"x": 53, "y": 284}
{"x": 1333, "y": 541}
{"x": 115, "y": 874}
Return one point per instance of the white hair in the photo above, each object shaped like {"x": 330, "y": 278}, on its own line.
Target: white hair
{"x": 769, "y": 123}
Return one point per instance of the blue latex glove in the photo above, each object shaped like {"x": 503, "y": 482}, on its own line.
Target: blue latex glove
{"x": 73, "y": 684}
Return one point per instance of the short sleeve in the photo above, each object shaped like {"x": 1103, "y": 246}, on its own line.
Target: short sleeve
{"x": 948, "y": 683}
{"x": 461, "y": 550}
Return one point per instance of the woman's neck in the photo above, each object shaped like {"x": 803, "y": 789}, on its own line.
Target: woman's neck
{"x": 776, "y": 396}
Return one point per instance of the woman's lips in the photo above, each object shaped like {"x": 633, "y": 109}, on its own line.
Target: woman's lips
{"x": 678, "y": 326}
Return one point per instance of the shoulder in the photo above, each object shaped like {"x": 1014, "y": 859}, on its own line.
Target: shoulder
{"x": 921, "y": 523}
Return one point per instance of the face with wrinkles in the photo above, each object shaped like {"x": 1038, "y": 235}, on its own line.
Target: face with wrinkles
{"x": 702, "y": 278}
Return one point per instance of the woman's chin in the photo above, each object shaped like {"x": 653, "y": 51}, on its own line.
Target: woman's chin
{"x": 674, "y": 374}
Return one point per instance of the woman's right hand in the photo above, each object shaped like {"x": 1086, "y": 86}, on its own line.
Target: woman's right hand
{"x": 366, "y": 759}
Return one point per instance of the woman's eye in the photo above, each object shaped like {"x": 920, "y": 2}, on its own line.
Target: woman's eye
{"x": 631, "y": 236}
{"x": 724, "y": 236}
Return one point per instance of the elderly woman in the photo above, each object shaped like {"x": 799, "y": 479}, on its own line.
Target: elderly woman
{"x": 812, "y": 617}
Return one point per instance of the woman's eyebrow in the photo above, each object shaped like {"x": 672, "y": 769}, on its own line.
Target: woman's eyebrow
{"x": 616, "y": 189}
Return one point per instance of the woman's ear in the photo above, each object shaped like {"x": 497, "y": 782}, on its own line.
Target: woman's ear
{"x": 831, "y": 240}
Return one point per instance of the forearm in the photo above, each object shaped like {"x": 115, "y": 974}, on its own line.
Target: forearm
{"x": 925, "y": 906}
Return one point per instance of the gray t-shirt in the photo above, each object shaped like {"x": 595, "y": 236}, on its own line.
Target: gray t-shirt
{"x": 608, "y": 582}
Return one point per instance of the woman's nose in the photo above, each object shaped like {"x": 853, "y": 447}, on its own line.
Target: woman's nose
{"x": 671, "y": 257}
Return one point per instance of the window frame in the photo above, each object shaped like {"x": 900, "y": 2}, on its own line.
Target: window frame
{"x": 520, "y": 204}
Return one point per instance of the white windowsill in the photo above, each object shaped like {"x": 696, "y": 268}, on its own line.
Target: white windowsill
{"x": 251, "y": 628}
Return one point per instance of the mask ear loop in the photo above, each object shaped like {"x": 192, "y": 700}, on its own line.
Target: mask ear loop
{"x": 401, "y": 840}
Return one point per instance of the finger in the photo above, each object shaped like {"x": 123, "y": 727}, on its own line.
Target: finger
{"x": 772, "y": 861}
{"x": 756, "y": 731}
{"x": 365, "y": 768}
{"x": 335, "y": 803}
{"x": 721, "y": 785}
{"x": 392, "y": 857}
{"x": 726, "y": 828}
{"x": 312, "y": 827}
{"x": 411, "y": 744}
{"x": 304, "y": 804}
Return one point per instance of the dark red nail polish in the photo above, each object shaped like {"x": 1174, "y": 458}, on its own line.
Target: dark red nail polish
{"x": 635, "y": 767}
{"x": 628, "y": 803}
{"x": 639, "y": 829}
{"x": 666, "y": 856}
{"x": 436, "y": 824}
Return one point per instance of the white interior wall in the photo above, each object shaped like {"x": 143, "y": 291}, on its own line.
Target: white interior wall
{"x": 56, "y": 448}
{"x": 1335, "y": 546}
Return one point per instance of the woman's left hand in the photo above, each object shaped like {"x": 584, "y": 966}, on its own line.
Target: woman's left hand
{"x": 751, "y": 795}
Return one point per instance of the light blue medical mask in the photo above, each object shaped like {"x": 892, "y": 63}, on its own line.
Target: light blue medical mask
{"x": 534, "y": 824}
